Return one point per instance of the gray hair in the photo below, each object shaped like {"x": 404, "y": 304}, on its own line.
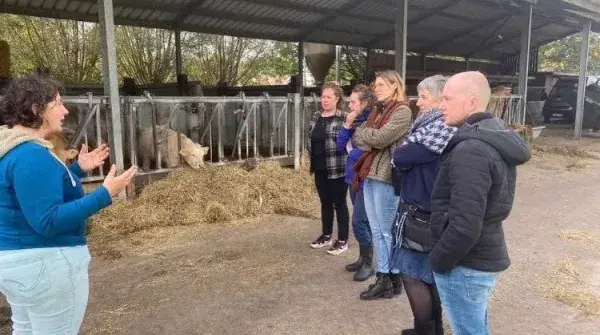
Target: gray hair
{"x": 434, "y": 85}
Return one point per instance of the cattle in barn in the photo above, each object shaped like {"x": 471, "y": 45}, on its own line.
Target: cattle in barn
{"x": 168, "y": 152}
{"x": 498, "y": 102}
{"x": 60, "y": 143}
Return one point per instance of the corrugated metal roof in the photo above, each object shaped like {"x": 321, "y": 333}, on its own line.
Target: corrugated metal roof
{"x": 475, "y": 28}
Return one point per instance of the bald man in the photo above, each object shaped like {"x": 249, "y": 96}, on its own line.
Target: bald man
{"x": 473, "y": 194}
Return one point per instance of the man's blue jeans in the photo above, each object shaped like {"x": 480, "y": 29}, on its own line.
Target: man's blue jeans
{"x": 381, "y": 205}
{"x": 360, "y": 221}
{"x": 465, "y": 295}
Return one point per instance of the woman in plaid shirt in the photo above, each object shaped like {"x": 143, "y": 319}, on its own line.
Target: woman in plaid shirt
{"x": 328, "y": 165}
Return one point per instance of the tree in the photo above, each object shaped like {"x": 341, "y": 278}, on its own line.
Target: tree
{"x": 235, "y": 60}
{"x": 353, "y": 64}
{"x": 147, "y": 55}
{"x": 69, "y": 49}
{"x": 283, "y": 59}
{"x": 564, "y": 55}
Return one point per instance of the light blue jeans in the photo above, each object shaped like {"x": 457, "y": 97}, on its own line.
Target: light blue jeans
{"x": 465, "y": 295}
{"x": 47, "y": 288}
{"x": 381, "y": 205}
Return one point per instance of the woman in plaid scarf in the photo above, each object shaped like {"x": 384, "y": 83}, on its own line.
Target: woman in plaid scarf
{"x": 416, "y": 163}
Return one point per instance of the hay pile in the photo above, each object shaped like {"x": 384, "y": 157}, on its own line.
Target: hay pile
{"x": 584, "y": 237}
{"x": 566, "y": 282}
{"x": 209, "y": 195}
{"x": 568, "y": 151}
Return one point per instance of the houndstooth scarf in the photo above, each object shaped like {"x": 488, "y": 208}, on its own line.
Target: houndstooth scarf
{"x": 430, "y": 131}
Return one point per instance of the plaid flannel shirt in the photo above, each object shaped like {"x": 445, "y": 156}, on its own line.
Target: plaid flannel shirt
{"x": 335, "y": 160}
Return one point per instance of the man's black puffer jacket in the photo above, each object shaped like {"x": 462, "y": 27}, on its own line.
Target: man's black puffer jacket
{"x": 473, "y": 194}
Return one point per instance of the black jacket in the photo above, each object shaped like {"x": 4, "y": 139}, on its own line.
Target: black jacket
{"x": 473, "y": 194}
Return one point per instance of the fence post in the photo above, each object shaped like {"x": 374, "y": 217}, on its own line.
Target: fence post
{"x": 297, "y": 101}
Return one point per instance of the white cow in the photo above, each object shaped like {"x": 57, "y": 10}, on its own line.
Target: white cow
{"x": 168, "y": 153}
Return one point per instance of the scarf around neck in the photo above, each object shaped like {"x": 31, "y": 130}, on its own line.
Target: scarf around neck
{"x": 430, "y": 131}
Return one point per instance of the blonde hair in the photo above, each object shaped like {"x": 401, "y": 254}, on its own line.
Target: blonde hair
{"x": 392, "y": 77}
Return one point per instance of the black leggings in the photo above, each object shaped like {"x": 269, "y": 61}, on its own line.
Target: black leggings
{"x": 424, "y": 301}
{"x": 332, "y": 193}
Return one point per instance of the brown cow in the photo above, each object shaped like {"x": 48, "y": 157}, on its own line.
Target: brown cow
{"x": 498, "y": 102}
{"x": 60, "y": 142}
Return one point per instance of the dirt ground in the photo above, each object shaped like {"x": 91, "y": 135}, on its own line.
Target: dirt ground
{"x": 261, "y": 276}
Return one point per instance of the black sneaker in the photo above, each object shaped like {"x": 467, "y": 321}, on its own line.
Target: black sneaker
{"x": 322, "y": 241}
{"x": 338, "y": 247}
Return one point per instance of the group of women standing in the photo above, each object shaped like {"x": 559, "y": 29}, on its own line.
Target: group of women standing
{"x": 389, "y": 162}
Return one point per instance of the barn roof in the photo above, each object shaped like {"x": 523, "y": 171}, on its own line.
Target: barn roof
{"x": 488, "y": 29}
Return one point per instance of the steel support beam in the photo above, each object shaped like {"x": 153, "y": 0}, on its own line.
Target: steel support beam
{"x": 367, "y": 72}
{"x": 401, "y": 37}
{"x": 300, "y": 79}
{"x": 337, "y": 63}
{"x": 111, "y": 84}
{"x": 524, "y": 58}
{"x": 581, "y": 86}
{"x": 178, "y": 60}
{"x": 297, "y": 121}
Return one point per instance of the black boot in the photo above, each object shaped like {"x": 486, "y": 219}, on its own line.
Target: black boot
{"x": 397, "y": 283}
{"x": 437, "y": 312}
{"x": 426, "y": 328}
{"x": 382, "y": 289}
{"x": 353, "y": 267}
{"x": 366, "y": 269}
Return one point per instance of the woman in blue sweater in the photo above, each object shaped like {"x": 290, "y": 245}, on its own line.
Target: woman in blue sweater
{"x": 43, "y": 211}
{"x": 416, "y": 163}
{"x": 360, "y": 107}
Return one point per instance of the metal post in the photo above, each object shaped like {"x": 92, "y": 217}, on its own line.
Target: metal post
{"x": 297, "y": 101}
{"x": 401, "y": 35}
{"x": 585, "y": 45}
{"x": 109, "y": 75}
{"x": 337, "y": 63}
{"x": 368, "y": 66}
{"x": 300, "y": 79}
{"x": 524, "y": 58}
{"x": 178, "y": 61}
{"x": 468, "y": 61}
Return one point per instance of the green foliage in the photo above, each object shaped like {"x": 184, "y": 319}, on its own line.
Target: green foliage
{"x": 353, "y": 64}
{"x": 147, "y": 55}
{"x": 564, "y": 55}
{"x": 70, "y": 49}
{"x": 282, "y": 59}
{"x": 215, "y": 58}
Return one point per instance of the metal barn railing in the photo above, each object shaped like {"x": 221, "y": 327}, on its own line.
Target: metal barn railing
{"x": 233, "y": 128}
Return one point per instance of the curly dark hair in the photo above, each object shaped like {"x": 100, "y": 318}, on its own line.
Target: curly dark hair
{"x": 23, "y": 96}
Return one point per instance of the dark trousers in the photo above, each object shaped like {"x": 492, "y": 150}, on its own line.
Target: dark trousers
{"x": 360, "y": 221}
{"x": 332, "y": 193}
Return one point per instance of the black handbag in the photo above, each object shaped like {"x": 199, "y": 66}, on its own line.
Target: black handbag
{"x": 416, "y": 232}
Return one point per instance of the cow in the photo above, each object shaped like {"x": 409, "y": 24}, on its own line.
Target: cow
{"x": 59, "y": 143}
{"x": 168, "y": 152}
{"x": 499, "y": 102}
